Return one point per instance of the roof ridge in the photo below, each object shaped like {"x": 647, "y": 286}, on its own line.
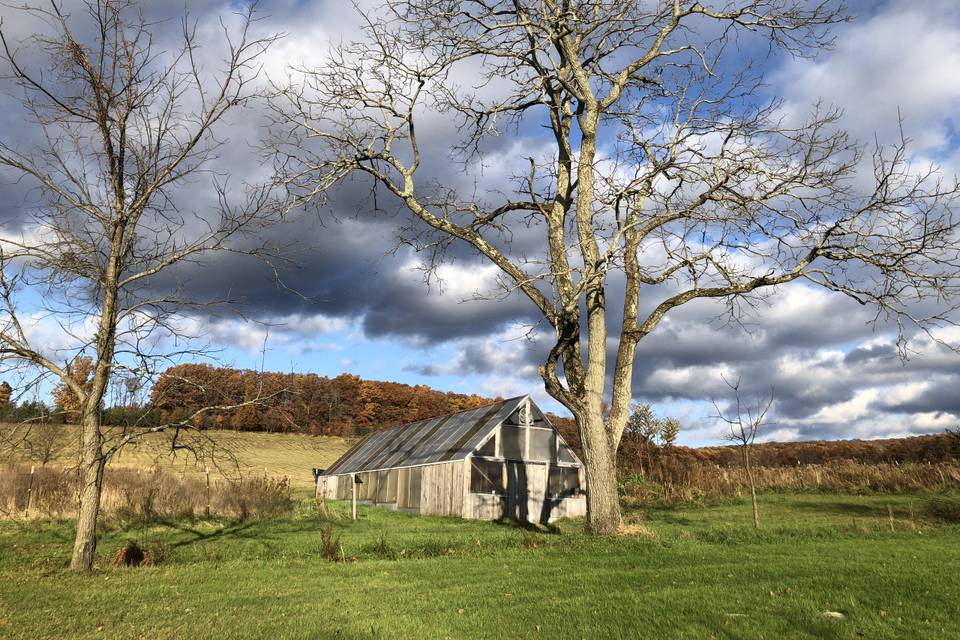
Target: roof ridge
{"x": 453, "y": 413}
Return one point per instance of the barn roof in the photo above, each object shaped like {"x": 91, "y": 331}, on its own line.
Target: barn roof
{"x": 450, "y": 437}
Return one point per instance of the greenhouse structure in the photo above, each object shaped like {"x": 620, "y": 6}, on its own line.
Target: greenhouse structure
{"x": 501, "y": 461}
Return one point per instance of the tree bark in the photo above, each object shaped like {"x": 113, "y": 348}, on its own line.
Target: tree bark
{"x": 91, "y": 466}
{"x": 753, "y": 488}
{"x": 603, "y": 501}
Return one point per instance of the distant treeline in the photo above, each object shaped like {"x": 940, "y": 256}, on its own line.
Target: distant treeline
{"x": 635, "y": 456}
{"x": 295, "y": 402}
{"x": 347, "y": 405}
{"x": 941, "y": 447}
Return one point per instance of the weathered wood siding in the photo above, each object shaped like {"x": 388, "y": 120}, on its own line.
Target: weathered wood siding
{"x": 442, "y": 489}
{"x": 327, "y": 487}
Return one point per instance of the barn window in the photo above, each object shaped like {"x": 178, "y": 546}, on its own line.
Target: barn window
{"x": 563, "y": 481}
{"x": 512, "y": 442}
{"x": 486, "y": 476}
{"x": 489, "y": 449}
{"x": 542, "y": 445}
{"x": 565, "y": 454}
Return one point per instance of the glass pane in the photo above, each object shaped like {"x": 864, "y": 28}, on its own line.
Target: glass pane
{"x": 486, "y": 476}
{"x": 564, "y": 482}
{"x": 565, "y": 454}
{"x": 512, "y": 441}
{"x": 542, "y": 445}
{"x": 488, "y": 449}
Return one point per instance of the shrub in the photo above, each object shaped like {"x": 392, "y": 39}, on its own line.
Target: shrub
{"x": 260, "y": 497}
{"x": 129, "y": 555}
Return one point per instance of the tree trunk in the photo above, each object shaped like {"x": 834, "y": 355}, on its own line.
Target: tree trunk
{"x": 756, "y": 512}
{"x": 91, "y": 467}
{"x": 603, "y": 501}
{"x": 753, "y": 488}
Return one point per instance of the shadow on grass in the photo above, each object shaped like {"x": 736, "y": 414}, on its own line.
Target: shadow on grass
{"x": 840, "y": 508}
{"x": 531, "y": 527}
{"x": 239, "y": 530}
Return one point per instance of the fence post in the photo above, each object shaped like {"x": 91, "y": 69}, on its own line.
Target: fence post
{"x": 206, "y": 473}
{"x": 353, "y": 485}
{"x": 33, "y": 470}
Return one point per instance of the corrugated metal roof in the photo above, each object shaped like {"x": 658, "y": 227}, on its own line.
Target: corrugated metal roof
{"x": 450, "y": 437}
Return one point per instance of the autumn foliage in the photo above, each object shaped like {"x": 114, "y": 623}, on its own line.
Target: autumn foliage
{"x": 298, "y": 403}
{"x": 64, "y": 398}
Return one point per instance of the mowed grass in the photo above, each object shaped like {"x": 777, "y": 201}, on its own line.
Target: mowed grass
{"x": 686, "y": 572}
{"x": 272, "y": 454}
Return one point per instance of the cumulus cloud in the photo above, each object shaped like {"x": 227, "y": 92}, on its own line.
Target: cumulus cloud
{"x": 834, "y": 374}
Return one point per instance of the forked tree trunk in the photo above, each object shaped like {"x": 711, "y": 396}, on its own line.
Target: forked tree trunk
{"x": 603, "y": 501}
{"x": 91, "y": 472}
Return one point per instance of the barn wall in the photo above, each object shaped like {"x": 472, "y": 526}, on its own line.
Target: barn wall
{"x": 525, "y": 499}
{"x": 327, "y": 487}
{"x": 442, "y": 489}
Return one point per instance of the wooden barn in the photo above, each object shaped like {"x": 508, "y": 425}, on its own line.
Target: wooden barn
{"x": 500, "y": 461}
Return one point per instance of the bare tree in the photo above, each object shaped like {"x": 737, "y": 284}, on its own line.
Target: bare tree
{"x": 46, "y": 441}
{"x": 646, "y": 427}
{"x": 653, "y": 169}
{"x": 743, "y": 421}
{"x": 119, "y": 126}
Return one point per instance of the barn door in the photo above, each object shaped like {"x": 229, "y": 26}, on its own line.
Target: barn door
{"x": 527, "y": 491}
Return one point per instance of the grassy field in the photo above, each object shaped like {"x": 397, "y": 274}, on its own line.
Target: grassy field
{"x": 686, "y": 572}
{"x": 272, "y": 454}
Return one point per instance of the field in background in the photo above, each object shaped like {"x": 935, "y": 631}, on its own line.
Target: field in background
{"x": 272, "y": 454}
{"x": 823, "y": 566}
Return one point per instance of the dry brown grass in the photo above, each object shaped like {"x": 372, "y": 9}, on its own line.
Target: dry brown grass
{"x": 678, "y": 482}
{"x": 271, "y": 454}
{"x": 141, "y": 495}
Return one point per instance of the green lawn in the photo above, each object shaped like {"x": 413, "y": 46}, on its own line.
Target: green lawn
{"x": 690, "y": 572}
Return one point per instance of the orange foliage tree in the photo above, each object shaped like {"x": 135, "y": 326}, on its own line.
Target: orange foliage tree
{"x": 64, "y": 398}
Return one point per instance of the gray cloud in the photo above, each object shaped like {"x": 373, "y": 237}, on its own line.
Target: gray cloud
{"x": 817, "y": 350}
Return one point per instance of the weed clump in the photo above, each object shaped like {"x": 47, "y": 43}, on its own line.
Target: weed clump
{"x": 129, "y": 555}
{"x": 330, "y": 547}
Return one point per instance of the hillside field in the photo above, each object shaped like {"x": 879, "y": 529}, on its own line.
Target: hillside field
{"x": 824, "y": 566}
{"x": 272, "y": 454}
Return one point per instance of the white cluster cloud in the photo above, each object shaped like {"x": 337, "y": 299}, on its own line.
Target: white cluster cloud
{"x": 832, "y": 375}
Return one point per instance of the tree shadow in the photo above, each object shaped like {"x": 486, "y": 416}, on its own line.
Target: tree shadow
{"x": 840, "y": 508}
{"x": 237, "y": 530}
